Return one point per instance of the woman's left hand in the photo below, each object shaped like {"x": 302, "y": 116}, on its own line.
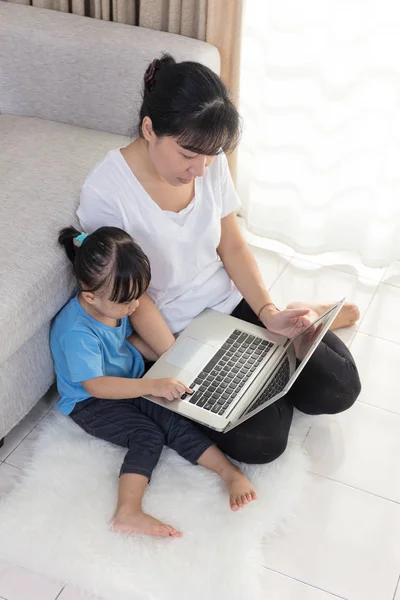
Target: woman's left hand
{"x": 289, "y": 322}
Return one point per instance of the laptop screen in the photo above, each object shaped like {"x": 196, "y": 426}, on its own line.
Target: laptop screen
{"x": 303, "y": 345}
{"x": 304, "y": 341}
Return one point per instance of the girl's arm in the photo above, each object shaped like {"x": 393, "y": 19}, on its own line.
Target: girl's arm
{"x": 122, "y": 388}
{"x": 151, "y": 327}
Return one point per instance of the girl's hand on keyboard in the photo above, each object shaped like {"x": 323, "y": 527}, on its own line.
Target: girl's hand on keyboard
{"x": 171, "y": 389}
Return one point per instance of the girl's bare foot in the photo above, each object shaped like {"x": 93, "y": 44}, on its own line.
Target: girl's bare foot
{"x": 240, "y": 490}
{"x": 348, "y": 315}
{"x": 139, "y": 522}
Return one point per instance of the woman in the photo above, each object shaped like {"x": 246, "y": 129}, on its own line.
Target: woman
{"x": 171, "y": 191}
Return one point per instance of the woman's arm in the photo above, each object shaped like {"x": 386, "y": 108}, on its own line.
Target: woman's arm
{"x": 151, "y": 327}
{"x": 142, "y": 347}
{"x": 242, "y": 267}
{"x": 243, "y": 270}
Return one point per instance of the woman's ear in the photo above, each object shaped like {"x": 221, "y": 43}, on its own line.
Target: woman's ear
{"x": 147, "y": 129}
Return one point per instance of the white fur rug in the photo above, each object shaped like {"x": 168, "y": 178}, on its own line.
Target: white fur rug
{"x": 55, "y": 522}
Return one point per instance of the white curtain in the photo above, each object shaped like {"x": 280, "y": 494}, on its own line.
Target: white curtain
{"x": 319, "y": 163}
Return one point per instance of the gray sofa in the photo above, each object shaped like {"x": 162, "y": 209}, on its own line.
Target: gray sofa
{"x": 69, "y": 91}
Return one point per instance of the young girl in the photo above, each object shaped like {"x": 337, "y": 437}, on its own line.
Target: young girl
{"x": 99, "y": 374}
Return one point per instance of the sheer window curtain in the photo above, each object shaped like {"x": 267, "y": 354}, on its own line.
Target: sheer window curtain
{"x": 319, "y": 162}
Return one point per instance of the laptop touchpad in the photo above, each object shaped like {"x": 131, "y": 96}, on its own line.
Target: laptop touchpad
{"x": 190, "y": 355}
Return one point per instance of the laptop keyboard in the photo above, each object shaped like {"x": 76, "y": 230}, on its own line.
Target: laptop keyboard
{"x": 277, "y": 384}
{"x": 228, "y": 371}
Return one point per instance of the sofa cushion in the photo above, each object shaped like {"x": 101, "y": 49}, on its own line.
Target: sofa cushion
{"x": 43, "y": 165}
{"x": 25, "y": 377}
{"x": 81, "y": 71}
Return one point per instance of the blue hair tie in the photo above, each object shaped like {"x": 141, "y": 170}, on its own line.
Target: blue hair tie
{"x": 81, "y": 238}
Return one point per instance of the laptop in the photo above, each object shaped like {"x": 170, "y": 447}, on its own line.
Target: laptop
{"x": 236, "y": 369}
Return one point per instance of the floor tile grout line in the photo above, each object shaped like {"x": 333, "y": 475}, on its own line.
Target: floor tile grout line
{"x": 369, "y": 305}
{"x": 384, "y": 273}
{"x": 353, "y": 487}
{"x": 290, "y": 258}
{"x": 391, "y": 412}
{"x": 305, "y": 583}
{"x": 29, "y": 432}
{"x": 307, "y": 434}
{"x": 20, "y": 442}
{"x": 395, "y": 591}
{"x": 381, "y": 283}
{"x": 60, "y": 592}
{"x": 393, "y": 285}
{"x": 10, "y": 464}
{"x": 269, "y": 290}
{"x": 378, "y": 337}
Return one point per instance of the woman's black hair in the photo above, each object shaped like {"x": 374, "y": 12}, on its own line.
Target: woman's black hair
{"x": 108, "y": 259}
{"x": 190, "y": 102}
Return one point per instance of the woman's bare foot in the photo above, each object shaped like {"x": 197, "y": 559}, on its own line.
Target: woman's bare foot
{"x": 139, "y": 522}
{"x": 240, "y": 490}
{"x": 348, "y": 315}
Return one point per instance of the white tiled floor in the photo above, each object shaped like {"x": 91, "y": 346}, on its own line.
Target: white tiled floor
{"x": 345, "y": 542}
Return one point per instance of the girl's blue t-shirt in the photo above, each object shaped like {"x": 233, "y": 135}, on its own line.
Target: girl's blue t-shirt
{"x": 84, "y": 348}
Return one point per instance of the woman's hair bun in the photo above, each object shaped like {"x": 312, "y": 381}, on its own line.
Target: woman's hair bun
{"x": 154, "y": 66}
{"x": 167, "y": 59}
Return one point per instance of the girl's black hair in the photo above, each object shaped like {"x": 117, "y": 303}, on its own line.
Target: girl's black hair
{"x": 190, "y": 102}
{"x": 108, "y": 258}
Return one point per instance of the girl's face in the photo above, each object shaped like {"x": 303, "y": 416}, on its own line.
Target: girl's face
{"x": 111, "y": 310}
{"x": 173, "y": 163}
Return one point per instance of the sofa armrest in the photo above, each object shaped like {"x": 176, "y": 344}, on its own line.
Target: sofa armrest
{"x": 79, "y": 70}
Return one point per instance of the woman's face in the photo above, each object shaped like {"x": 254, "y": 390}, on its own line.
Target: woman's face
{"x": 172, "y": 162}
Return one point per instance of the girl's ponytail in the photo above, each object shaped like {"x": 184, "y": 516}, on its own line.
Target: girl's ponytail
{"x": 66, "y": 239}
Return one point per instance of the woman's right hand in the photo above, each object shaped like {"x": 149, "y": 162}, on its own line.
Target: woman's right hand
{"x": 171, "y": 389}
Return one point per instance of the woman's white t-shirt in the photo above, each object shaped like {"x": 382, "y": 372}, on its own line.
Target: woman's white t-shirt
{"x": 187, "y": 275}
